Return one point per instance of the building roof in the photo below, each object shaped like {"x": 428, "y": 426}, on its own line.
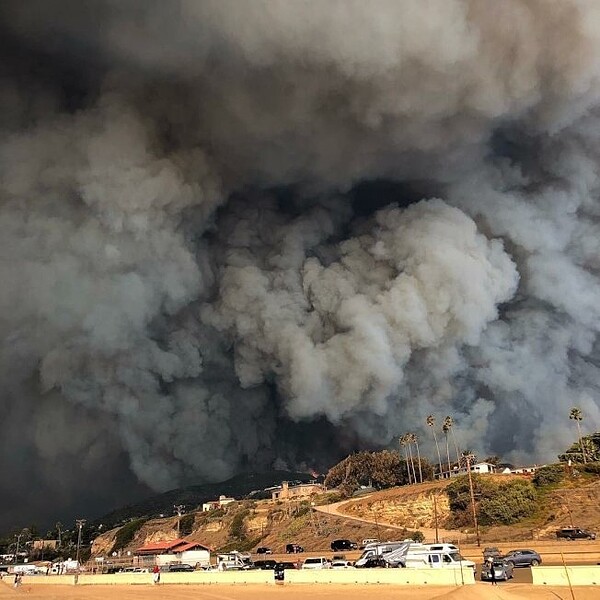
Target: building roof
{"x": 158, "y": 547}
{"x": 192, "y": 546}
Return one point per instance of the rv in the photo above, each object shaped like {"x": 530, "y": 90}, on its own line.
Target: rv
{"x": 437, "y": 556}
{"x": 410, "y": 554}
{"x": 234, "y": 561}
{"x": 392, "y": 552}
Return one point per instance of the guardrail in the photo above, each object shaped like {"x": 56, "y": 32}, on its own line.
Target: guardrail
{"x": 566, "y": 575}
{"x": 442, "y": 577}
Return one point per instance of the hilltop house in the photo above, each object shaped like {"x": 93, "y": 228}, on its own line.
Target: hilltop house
{"x": 214, "y": 504}
{"x": 300, "y": 490}
{"x": 480, "y": 468}
{"x": 173, "y": 551}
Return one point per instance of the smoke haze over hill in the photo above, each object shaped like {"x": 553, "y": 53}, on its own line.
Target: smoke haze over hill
{"x": 240, "y": 235}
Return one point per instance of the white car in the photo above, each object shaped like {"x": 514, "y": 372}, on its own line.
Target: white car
{"x": 342, "y": 564}
{"x": 319, "y": 562}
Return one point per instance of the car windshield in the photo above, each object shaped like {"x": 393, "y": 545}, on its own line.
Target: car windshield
{"x": 456, "y": 556}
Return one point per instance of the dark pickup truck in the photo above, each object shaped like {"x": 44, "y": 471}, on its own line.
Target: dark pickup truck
{"x": 575, "y": 533}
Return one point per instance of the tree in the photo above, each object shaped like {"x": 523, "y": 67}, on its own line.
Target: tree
{"x": 409, "y": 442}
{"x": 403, "y": 443}
{"x": 431, "y": 423}
{"x": 446, "y": 428}
{"x": 577, "y": 416}
{"x": 415, "y": 440}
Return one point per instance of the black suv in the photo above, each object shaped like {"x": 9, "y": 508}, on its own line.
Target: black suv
{"x": 575, "y": 533}
{"x": 263, "y": 550}
{"x": 337, "y": 545}
{"x": 265, "y": 565}
{"x": 293, "y": 549}
{"x": 180, "y": 568}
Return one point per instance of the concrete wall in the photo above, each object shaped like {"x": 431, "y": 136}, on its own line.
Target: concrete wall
{"x": 445, "y": 577}
{"x": 577, "y": 574}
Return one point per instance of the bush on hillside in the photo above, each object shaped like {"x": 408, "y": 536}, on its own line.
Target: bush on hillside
{"x": 126, "y": 534}
{"x": 548, "y": 475}
{"x": 237, "y": 529}
{"x": 495, "y": 503}
{"x": 593, "y": 467}
{"x": 510, "y": 503}
{"x": 186, "y": 524}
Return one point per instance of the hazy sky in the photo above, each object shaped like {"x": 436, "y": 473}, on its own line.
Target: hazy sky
{"x": 239, "y": 235}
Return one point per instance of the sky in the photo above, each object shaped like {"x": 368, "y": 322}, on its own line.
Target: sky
{"x": 239, "y": 236}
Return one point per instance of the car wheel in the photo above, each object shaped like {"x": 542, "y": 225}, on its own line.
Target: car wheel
{"x": 535, "y": 562}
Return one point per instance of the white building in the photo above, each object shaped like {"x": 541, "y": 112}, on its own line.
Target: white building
{"x": 214, "y": 504}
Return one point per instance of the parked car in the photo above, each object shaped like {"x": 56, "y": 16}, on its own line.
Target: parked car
{"x": 317, "y": 562}
{"x": 293, "y": 548}
{"x": 491, "y": 551}
{"x": 337, "y": 545}
{"x": 180, "y": 568}
{"x": 575, "y": 533}
{"x": 502, "y": 570}
{"x": 288, "y": 565}
{"x": 265, "y": 565}
{"x": 342, "y": 564}
{"x": 523, "y": 558}
{"x": 373, "y": 563}
{"x": 263, "y": 550}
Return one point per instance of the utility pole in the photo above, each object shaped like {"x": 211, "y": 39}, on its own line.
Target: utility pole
{"x": 435, "y": 516}
{"x": 468, "y": 458}
{"x": 80, "y": 523}
{"x": 180, "y": 510}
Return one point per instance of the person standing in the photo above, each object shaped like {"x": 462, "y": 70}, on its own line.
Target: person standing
{"x": 492, "y": 571}
{"x": 155, "y": 574}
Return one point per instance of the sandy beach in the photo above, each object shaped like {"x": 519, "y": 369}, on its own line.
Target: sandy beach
{"x": 478, "y": 591}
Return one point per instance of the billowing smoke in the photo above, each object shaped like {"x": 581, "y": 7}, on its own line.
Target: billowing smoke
{"x": 238, "y": 235}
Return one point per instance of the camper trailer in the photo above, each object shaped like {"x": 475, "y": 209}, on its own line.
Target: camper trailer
{"x": 231, "y": 561}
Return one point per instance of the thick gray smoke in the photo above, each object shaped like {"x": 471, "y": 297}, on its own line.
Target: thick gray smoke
{"x": 244, "y": 234}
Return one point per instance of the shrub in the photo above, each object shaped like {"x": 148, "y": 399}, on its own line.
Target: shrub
{"x": 186, "y": 524}
{"x": 126, "y": 534}
{"x": 593, "y": 468}
{"x": 548, "y": 475}
{"x": 237, "y": 529}
{"x": 417, "y": 536}
{"x": 512, "y": 502}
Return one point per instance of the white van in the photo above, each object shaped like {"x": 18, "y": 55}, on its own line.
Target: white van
{"x": 234, "y": 561}
{"x": 317, "y": 562}
{"x": 392, "y": 552}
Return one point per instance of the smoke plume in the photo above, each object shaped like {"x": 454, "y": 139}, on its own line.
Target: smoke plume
{"x": 238, "y": 235}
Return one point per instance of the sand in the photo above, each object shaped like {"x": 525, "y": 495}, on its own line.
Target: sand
{"x": 479, "y": 591}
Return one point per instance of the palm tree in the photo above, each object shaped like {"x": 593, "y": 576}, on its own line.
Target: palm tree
{"x": 415, "y": 440}
{"x": 403, "y": 442}
{"x": 431, "y": 423}
{"x": 446, "y": 428}
{"x": 409, "y": 437}
{"x": 450, "y": 422}
{"x": 58, "y": 528}
{"x": 577, "y": 416}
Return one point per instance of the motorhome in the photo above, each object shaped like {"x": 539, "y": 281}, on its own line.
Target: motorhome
{"x": 437, "y": 556}
{"x": 407, "y": 553}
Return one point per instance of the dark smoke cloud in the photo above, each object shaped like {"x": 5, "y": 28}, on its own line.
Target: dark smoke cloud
{"x": 240, "y": 235}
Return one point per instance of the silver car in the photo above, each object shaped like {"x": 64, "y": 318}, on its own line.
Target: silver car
{"x": 503, "y": 570}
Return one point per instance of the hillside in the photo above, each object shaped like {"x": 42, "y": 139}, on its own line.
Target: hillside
{"x": 194, "y": 496}
{"x": 391, "y": 513}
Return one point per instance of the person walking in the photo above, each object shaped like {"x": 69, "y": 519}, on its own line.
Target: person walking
{"x": 155, "y": 574}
